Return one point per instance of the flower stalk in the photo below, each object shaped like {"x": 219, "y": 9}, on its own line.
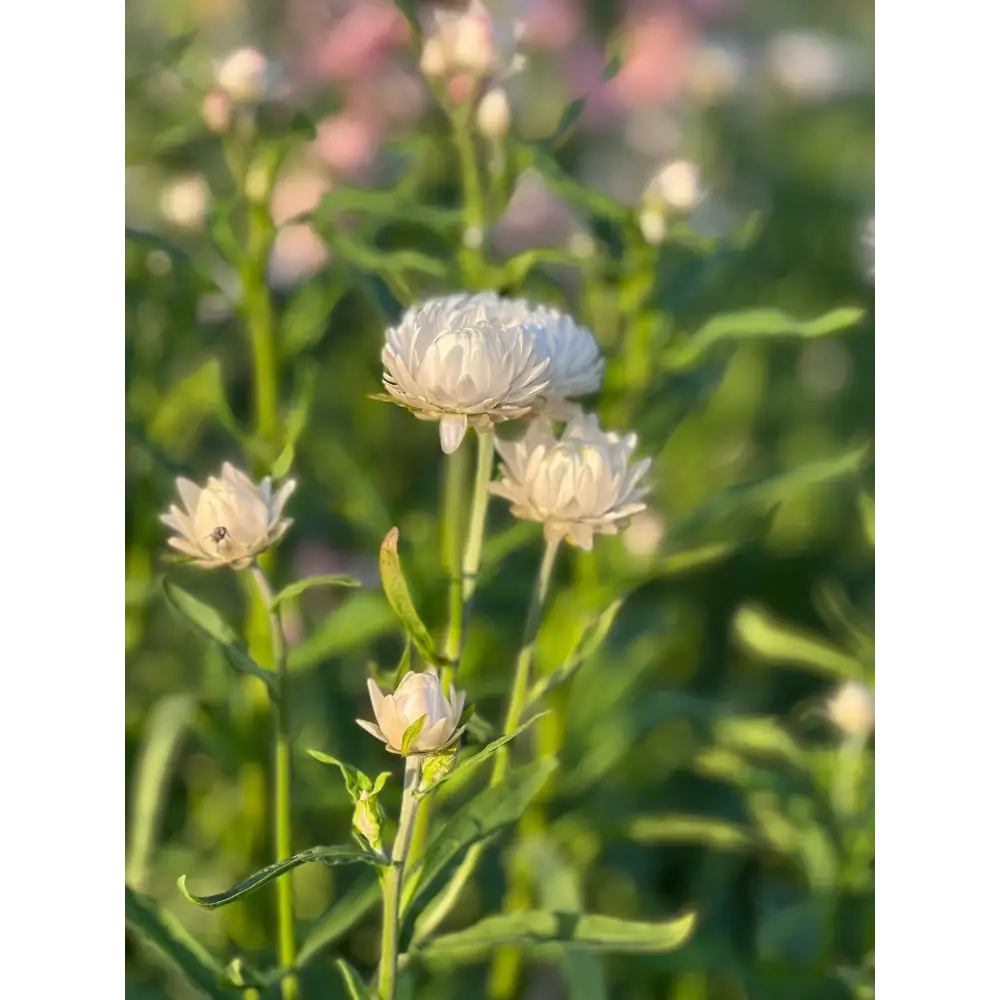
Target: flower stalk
{"x": 282, "y": 790}
{"x": 392, "y": 881}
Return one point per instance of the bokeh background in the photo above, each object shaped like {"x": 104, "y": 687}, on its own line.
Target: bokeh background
{"x": 702, "y": 766}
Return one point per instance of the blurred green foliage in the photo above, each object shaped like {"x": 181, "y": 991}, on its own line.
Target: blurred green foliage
{"x": 698, "y": 768}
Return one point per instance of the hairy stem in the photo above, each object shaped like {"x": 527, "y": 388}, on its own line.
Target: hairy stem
{"x": 392, "y": 881}
{"x": 282, "y": 791}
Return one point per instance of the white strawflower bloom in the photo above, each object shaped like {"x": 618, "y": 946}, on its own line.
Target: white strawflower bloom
{"x": 471, "y": 41}
{"x": 576, "y": 486}
{"x": 493, "y": 114}
{"x": 243, "y": 75}
{"x": 229, "y": 521}
{"x": 417, "y": 696}
{"x": 455, "y": 360}
{"x": 852, "y": 709}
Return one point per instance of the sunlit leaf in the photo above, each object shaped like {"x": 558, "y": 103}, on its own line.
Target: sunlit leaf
{"x": 398, "y": 595}
{"x": 207, "y": 622}
{"x": 301, "y": 586}
{"x": 491, "y": 810}
{"x": 337, "y": 855}
{"x": 412, "y": 731}
{"x": 584, "y": 931}
{"x": 355, "y": 985}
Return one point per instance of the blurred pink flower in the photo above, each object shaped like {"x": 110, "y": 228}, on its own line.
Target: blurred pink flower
{"x": 658, "y": 40}
{"x": 348, "y": 143}
{"x": 534, "y": 217}
{"x": 551, "y": 25}
{"x": 458, "y": 87}
{"x": 296, "y": 193}
{"x": 585, "y": 78}
{"x": 296, "y": 254}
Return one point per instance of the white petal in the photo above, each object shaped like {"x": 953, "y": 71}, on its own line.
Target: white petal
{"x": 370, "y": 727}
{"x": 452, "y": 431}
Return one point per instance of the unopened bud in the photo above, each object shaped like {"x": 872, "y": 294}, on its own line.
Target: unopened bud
{"x": 493, "y": 114}
{"x": 653, "y": 224}
{"x": 243, "y": 75}
{"x": 852, "y": 709}
{"x": 433, "y": 62}
{"x": 679, "y": 184}
{"x": 473, "y": 46}
{"x": 184, "y": 203}
{"x": 215, "y": 111}
{"x": 367, "y": 820}
{"x": 258, "y": 182}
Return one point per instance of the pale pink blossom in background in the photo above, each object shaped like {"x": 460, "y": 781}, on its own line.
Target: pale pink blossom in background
{"x": 534, "y": 217}
{"x": 348, "y": 143}
{"x": 584, "y": 74}
{"x": 658, "y": 40}
{"x": 296, "y": 193}
{"x": 551, "y": 25}
{"x": 297, "y": 254}
{"x": 458, "y": 87}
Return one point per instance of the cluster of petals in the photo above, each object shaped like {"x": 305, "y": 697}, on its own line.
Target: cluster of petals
{"x": 230, "y": 520}
{"x": 578, "y": 485}
{"x": 470, "y": 41}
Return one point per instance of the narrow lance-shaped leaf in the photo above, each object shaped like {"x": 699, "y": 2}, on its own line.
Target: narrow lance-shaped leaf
{"x": 757, "y": 323}
{"x": 471, "y": 763}
{"x": 398, "y": 595}
{"x": 173, "y": 944}
{"x": 355, "y": 985}
{"x": 207, "y": 622}
{"x": 590, "y": 641}
{"x": 338, "y": 855}
{"x": 534, "y": 928}
{"x": 301, "y": 586}
{"x": 491, "y": 810}
{"x": 766, "y": 638}
{"x": 355, "y": 781}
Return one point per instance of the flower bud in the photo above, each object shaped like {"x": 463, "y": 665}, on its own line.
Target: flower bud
{"x": 852, "y": 709}
{"x": 653, "y": 224}
{"x": 433, "y": 61}
{"x": 679, "y": 185}
{"x": 418, "y": 702}
{"x": 493, "y": 114}
{"x": 184, "y": 202}
{"x": 216, "y": 110}
{"x": 367, "y": 819}
{"x": 243, "y": 75}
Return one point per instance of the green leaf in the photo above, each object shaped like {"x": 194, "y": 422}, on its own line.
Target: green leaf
{"x": 412, "y": 731}
{"x": 584, "y": 931}
{"x": 177, "y": 948}
{"x": 491, "y": 810}
{"x": 398, "y": 595}
{"x": 572, "y": 113}
{"x": 361, "y": 618}
{"x": 352, "y": 980}
{"x": 174, "y": 48}
{"x": 566, "y": 186}
{"x": 590, "y": 641}
{"x": 301, "y": 586}
{"x": 867, "y": 506}
{"x": 760, "y": 495}
{"x": 186, "y": 406}
{"x": 463, "y": 768}
{"x": 355, "y": 781}
{"x": 208, "y": 623}
{"x": 480, "y": 729}
{"x": 304, "y": 319}
{"x": 675, "y": 828}
{"x": 748, "y": 324}
{"x": 765, "y": 638}
{"x": 338, "y": 855}
{"x": 339, "y": 919}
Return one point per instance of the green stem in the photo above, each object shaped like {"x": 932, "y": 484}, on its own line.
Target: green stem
{"x": 845, "y": 777}
{"x": 282, "y": 791}
{"x": 454, "y": 507}
{"x": 441, "y": 905}
{"x": 259, "y": 313}
{"x": 392, "y": 881}
{"x": 473, "y": 554}
{"x": 522, "y": 673}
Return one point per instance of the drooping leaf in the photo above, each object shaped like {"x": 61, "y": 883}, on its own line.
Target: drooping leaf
{"x": 353, "y": 982}
{"x": 534, "y": 928}
{"x": 336, "y": 855}
{"x": 465, "y": 767}
{"x": 398, "y": 595}
{"x": 207, "y": 622}
{"x": 761, "y": 635}
{"x": 491, "y": 810}
{"x": 748, "y": 324}
{"x": 177, "y": 948}
{"x": 339, "y": 919}
{"x": 588, "y": 644}
{"x": 301, "y": 586}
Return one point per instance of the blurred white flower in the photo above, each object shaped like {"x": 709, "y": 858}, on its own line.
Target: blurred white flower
{"x": 716, "y": 71}
{"x": 868, "y": 247}
{"x": 653, "y": 225}
{"x": 852, "y": 709}
{"x": 417, "y": 696}
{"x": 229, "y": 521}
{"x": 470, "y": 41}
{"x": 678, "y": 185}
{"x": 243, "y": 75}
{"x": 643, "y": 536}
{"x": 493, "y": 113}
{"x": 576, "y": 486}
{"x": 367, "y": 819}
{"x": 812, "y": 66}
{"x": 184, "y": 202}
{"x": 216, "y": 110}
{"x": 455, "y": 360}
